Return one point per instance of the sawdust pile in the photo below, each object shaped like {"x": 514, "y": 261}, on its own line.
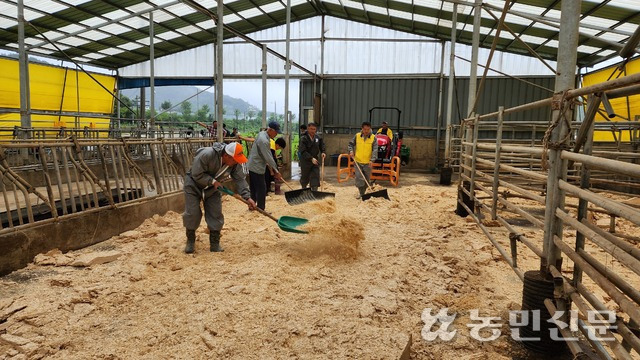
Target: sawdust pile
{"x": 354, "y": 288}
{"x": 336, "y": 236}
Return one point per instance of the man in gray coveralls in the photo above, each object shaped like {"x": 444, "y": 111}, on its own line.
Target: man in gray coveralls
{"x": 211, "y": 166}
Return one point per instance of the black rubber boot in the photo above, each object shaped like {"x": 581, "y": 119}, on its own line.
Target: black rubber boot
{"x": 314, "y": 188}
{"x": 214, "y": 241}
{"x": 191, "y": 242}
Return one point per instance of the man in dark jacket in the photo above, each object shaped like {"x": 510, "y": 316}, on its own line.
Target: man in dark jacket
{"x": 211, "y": 166}
{"x": 312, "y": 151}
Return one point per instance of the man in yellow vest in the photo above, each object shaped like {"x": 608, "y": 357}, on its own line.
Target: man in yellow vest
{"x": 363, "y": 148}
{"x": 384, "y": 130}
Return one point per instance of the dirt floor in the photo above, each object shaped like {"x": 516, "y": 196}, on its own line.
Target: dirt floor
{"x": 355, "y": 287}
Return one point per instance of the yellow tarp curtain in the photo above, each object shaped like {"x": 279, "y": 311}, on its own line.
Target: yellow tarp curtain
{"x": 47, "y": 85}
{"x": 620, "y": 104}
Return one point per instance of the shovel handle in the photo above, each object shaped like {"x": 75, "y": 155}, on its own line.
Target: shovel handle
{"x": 229, "y": 192}
{"x": 361, "y": 173}
{"x": 286, "y": 183}
{"x": 322, "y": 175}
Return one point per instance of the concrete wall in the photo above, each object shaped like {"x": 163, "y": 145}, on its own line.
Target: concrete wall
{"x": 20, "y": 247}
{"x": 423, "y": 150}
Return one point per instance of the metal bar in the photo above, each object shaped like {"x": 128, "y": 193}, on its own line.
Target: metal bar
{"x": 219, "y": 68}
{"x": 447, "y": 141}
{"x": 63, "y": 157}
{"x": 621, "y": 82}
{"x": 586, "y": 330}
{"x": 163, "y": 173}
{"x": 440, "y": 100}
{"x": 629, "y": 48}
{"x": 493, "y": 241}
{"x": 530, "y": 218}
{"x": 589, "y": 119}
{"x": 584, "y": 181}
{"x": 531, "y": 51}
{"x": 127, "y": 174}
{"x": 156, "y": 175}
{"x": 585, "y": 309}
{"x": 511, "y": 148}
{"x": 625, "y": 304}
{"x": 623, "y": 330}
{"x": 56, "y": 169}
{"x": 496, "y": 171}
{"x": 6, "y": 200}
{"x": 105, "y": 172}
{"x": 614, "y": 166}
{"x": 79, "y": 178}
{"x": 565, "y": 79}
{"x": 17, "y": 200}
{"x": 572, "y": 345}
{"x": 623, "y": 257}
{"x": 77, "y": 117}
{"x": 616, "y": 279}
{"x": 126, "y": 196}
{"x": 473, "y": 70}
{"x": 616, "y": 208}
{"x": 23, "y": 60}
{"x": 264, "y": 86}
{"x": 102, "y": 24}
{"x": 116, "y": 176}
{"x": 507, "y": 75}
{"x": 476, "y": 126}
{"x": 287, "y": 67}
{"x": 152, "y": 84}
{"x": 528, "y": 174}
{"x": 47, "y": 179}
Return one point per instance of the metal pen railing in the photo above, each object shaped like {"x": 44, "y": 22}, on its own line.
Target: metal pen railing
{"x": 507, "y": 182}
{"x": 44, "y": 181}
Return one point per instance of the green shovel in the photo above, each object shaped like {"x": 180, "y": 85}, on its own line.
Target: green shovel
{"x": 286, "y": 223}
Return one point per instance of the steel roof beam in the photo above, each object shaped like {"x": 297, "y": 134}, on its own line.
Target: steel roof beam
{"x": 245, "y": 37}
{"x": 96, "y": 27}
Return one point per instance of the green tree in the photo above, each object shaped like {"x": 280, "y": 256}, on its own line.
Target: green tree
{"x": 126, "y": 108}
{"x": 251, "y": 114}
{"x": 185, "y": 108}
{"x": 203, "y": 113}
{"x": 166, "y": 105}
{"x": 236, "y": 114}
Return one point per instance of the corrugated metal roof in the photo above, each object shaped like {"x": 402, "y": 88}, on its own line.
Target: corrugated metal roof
{"x": 613, "y": 22}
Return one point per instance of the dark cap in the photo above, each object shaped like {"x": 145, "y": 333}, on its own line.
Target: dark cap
{"x": 275, "y": 126}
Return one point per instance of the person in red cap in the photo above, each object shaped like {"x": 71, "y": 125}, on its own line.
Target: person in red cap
{"x": 212, "y": 166}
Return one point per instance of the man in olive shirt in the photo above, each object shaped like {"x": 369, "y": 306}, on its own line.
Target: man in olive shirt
{"x": 211, "y": 166}
{"x": 259, "y": 158}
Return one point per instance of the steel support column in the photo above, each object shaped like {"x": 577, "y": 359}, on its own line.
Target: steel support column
{"x": 440, "y": 98}
{"x": 565, "y": 80}
{"x": 475, "y": 46}
{"x": 219, "y": 76}
{"x": 264, "y": 86}
{"x": 25, "y": 96}
{"x": 452, "y": 58}
{"x": 322, "y": 40}
{"x": 152, "y": 96}
{"x": 287, "y": 66}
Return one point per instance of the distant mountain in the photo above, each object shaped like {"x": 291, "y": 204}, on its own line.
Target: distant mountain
{"x": 176, "y": 94}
